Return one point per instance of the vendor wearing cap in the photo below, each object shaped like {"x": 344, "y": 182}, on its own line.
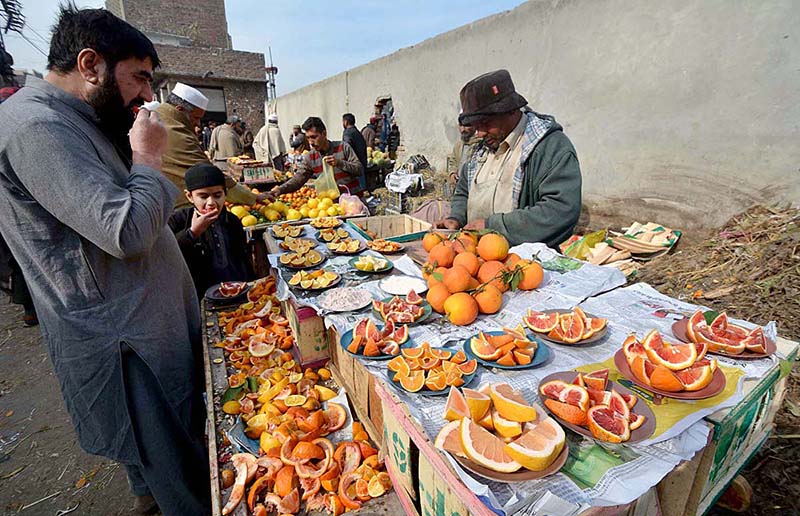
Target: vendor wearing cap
{"x": 184, "y": 108}
{"x": 524, "y": 181}
{"x": 269, "y": 144}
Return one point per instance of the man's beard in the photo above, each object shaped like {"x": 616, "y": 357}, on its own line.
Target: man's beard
{"x": 116, "y": 119}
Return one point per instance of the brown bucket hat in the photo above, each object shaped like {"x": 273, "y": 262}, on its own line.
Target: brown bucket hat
{"x": 489, "y": 94}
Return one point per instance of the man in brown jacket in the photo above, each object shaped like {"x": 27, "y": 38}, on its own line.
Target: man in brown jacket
{"x": 184, "y": 109}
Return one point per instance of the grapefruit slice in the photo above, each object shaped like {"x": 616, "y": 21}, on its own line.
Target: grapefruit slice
{"x": 596, "y": 379}
{"x": 672, "y": 356}
{"x": 756, "y": 342}
{"x": 482, "y": 349}
{"x": 259, "y": 348}
{"x": 456, "y": 407}
{"x": 630, "y": 399}
{"x": 702, "y": 348}
{"x": 541, "y": 322}
{"x": 449, "y": 439}
{"x": 390, "y": 348}
{"x": 484, "y": 448}
{"x": 720, "y": 344}
{"x": 695, "y": 323}
{"x": 566, "y": 412}
{"x": 537, "y": 449}
{"x": 719, "y": 324}
{"x": 636, "y": 420}
{"x": 642, "y": 368}
{"x": 606, "y": 425}
{"x": 572, "y": 327}
{"x": 487, "y": 422}
{"x": 503, "y": 426}
{"x": 477, "y": 402}
{"x": 579, "y": 380}
{"x": 412, "y": 298}
{"x": 695, "y": 378}
{"x": 572, "y": 394}
{"x": 556, "y": 334}
{"x": 510, "y": 404}
{"x": 597, "y": 397}
{"x": 598, "y": 323}
{"x": 387, "y": 330}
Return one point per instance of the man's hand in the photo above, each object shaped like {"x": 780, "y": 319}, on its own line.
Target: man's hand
{"x": 148, "y": 139}
{"x": 266, "y": 196}
{"x": 330, "y": 160}
{"x": 452, "y": 224}
{"x": 476, "y": 224}
{"x": 201, "y": 222}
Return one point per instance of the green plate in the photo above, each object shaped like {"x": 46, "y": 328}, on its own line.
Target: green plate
{"x": 389, "y": 266}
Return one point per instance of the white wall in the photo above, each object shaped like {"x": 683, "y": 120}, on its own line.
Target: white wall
{"x": 686, "y": 111}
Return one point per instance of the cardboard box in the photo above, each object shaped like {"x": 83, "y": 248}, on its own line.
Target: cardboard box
{"x": 399, "y": 228}
{"x": 308, "y": 329}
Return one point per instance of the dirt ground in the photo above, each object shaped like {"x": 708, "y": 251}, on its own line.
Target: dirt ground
{"x": 39, "y": 454}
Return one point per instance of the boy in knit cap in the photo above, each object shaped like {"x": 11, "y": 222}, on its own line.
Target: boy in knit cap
{"x": 211, "y": 238}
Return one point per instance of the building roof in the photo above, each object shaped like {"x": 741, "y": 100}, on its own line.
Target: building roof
{"x": 223, "y": 63}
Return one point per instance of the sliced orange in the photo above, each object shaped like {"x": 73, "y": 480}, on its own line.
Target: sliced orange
{"x": 454, "y": 378}
{"x": 695, "y": 378}
{"x": 412, "y": 352}
{"x": 484, "y": 448}
{"x": 469, "y": 367}
{"x": 414, "y": 381}
{"x": 436, "y": 381}
{"x": 566, "y": 412}
{"x": 664, "y": 379}
{"x": 396, "y": 364}
{"x": 506, "y": 360}
{"x": 459, "y": 357}
{"x": 672, "y": 356}
{"x": 482, "y": 349}
{"x": 477, "y": 402}
{"x": 522, "y": 358}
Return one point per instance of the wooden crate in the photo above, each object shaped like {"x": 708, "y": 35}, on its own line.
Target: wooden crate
{"x": 399, "y": 228}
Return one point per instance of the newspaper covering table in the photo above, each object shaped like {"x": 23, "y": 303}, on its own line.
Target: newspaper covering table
{"x": 596, "y": 474}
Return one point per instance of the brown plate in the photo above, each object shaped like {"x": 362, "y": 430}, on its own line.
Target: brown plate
{"x": 715, "y": 387}
{"x": 594, "y": 338}
{"x": 517, "y": 476}
{"x": 679, "y": 330}
{"x": 640, "y": 434}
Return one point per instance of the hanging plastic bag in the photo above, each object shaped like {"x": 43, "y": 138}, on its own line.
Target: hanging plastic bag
{"x": 325, "y": 184}
{"x": 352, "y": 206}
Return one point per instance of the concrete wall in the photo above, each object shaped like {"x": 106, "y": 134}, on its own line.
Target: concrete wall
{"x": 684, "y": 111}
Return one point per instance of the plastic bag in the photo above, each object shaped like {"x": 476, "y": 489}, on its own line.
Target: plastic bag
{"x": 580, "y": 248}
{"x": 351, "y": 205}
{"x": 325, "y": 184}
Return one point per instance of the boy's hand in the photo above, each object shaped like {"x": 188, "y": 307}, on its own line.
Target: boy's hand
{"x": 201, "y": 222}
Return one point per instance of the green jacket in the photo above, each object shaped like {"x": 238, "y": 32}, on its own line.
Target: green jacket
{"x": 548, "y": 183}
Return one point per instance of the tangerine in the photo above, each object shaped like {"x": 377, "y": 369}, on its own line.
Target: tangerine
{"x": 442, "y": 255}
{"x": 456, "y": 279}
{"x": 492, "y": 272}
{"x": 493, "y": 246}
{"x": 431, "y": 240}
{"x": 489, "y": 299}
{"x": 469, "y": 261}
{"x": 511, "y": 260}
{"x": 437, "y": 295}
{"x": 532, "y": 275}
{"x": 461, "y": 309}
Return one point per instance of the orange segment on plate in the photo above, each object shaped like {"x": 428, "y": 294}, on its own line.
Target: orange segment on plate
{"x": 484, "y": 448}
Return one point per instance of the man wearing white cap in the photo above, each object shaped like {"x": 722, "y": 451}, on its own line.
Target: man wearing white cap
{"x": 183, "y": 110}
{"x": 269, "y": 144}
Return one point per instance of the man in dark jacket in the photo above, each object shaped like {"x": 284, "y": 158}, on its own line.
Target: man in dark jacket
{"x": 525, "y": 180}
{"x": 211, "y": 238}
{"x": 369, "y": 132}
{"x": 352, "y": 136}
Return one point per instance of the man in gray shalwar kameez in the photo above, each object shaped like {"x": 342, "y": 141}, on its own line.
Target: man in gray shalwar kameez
{"x": 84, "y": 210}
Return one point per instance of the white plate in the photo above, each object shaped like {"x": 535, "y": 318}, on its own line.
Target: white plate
{"x": 402, "y": 285}
{"x": 345, "y": 299}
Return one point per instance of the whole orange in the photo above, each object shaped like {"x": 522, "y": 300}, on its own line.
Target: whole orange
{"x": 532, "y": 275}
{"x": 511, "y": 260}
{"x": 468, "y": 235}
{"x": 442, "y": 255}
{"x": 437, "y": 295}
{"x": 463, "y": 245}
{"x": 493, "y": 247}
{"x": 461, "y": 309}
{"x": 489, "y": 299}
{"x": 430, "y": 240}
{"x": 456, "y": 279}
{"x": 491, "y": 271}
{"x": 473, "y": 283}
{"x": 469, "y": 261}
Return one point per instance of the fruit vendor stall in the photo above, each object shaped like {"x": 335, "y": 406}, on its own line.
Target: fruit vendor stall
{"x": 491, "y": 380}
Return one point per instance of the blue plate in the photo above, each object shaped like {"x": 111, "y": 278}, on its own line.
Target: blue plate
{"x": 427, "y": 310}
{"x": 541, "y": 356}
{"x": 347, "y": 338}
{"x": 427, "y": 392}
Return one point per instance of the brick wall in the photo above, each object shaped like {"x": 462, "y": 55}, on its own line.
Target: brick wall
{"x": 201, "y": 20}
{"x": 242, "y": 98}
{"x": 194, "y": 61}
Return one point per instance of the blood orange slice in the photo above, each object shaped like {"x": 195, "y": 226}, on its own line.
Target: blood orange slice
{"x": 572, "y": 327}
{"x": 598, "y": 323}
{"x": 599, "y": 397}
{"x": 664, "y": 379}
{"x": 719, "y": 324}
{"x": 636, "y": 420}
{"x": 672, "y": 356}
{"x": 413, "y": 298}
{"x": 541, "y": 322}
{"x": 564, "y": 392}
{"x": 695, "y": 378}
{"x": 449, "y": 439}
{"x": 387, "y": 330}
{"x": 456, "y": 406}
{"x": 630, "y": 399}
{"x": 720, "y": 344}
{"x": 579, "y": 380}
{"x": 596, "y": 379}
{"x": 642, "y": 368}
{"x": 606, "y": 425}
{"x": 756, "y": 342}
{"x": 566, "y": 412}
{"x": 484, "y": 448}
{"x": 400, "y": 334}
{"x": 618, "y": 405}
{"x": 695, "y": 323}
{"x": 632, "y": 348}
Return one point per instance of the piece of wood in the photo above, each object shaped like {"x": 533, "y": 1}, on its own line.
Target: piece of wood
{"x": 211, "y": 434}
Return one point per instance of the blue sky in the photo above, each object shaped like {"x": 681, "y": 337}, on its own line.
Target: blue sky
{"x": 310, "y": 40}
